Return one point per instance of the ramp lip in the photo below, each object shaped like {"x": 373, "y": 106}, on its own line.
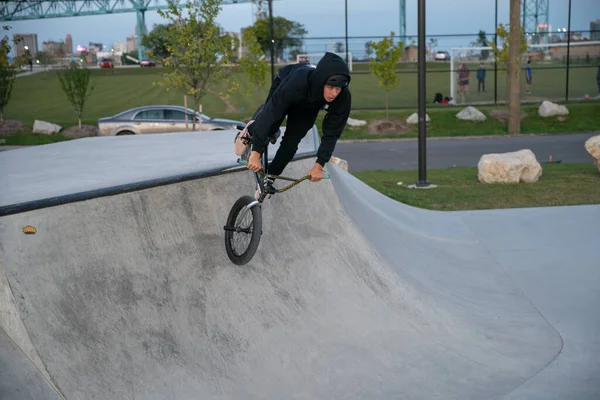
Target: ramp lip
{"x": 126, "y": 188}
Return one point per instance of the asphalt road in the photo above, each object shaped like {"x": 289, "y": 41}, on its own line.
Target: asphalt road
{"x": 459, "y": 152}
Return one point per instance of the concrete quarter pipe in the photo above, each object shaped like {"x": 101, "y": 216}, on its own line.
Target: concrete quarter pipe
{"x": 350, "y": 296}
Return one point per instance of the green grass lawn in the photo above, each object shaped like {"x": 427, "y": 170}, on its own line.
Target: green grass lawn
{"x": 459, "y": 188}
{"x": 584, "y": 117}
{"x": 39, "y": 96}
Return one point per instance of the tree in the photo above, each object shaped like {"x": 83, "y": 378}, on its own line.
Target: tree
{"x": 8, "y": 71}
{"x": 384, "y": 65}
{"x": 287, "y": 34}
{"x": 338, "y": 47}
{"x": 502, "y": 51}
{"x": 155, "y": 42}
{"x": 253, "y": 63}
{"x": 509, "y": 52}
{"x": 482, "y": 42}
{"x": 76, "y": 84}
{"x": 197, "y": 50}
{"x": 293, "y": 54}
{"x": 369, "y": 48}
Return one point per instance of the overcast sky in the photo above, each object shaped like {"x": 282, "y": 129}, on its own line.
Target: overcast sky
{"x": 325, "y": 18}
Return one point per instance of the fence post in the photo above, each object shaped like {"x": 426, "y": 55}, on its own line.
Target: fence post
{"x": 495, "y": 60}
{"x": 347, "y": 61}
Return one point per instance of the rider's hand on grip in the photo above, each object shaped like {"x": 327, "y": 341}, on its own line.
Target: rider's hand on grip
{"x": 254, "y": 163}
{"x": 316, "y": 173}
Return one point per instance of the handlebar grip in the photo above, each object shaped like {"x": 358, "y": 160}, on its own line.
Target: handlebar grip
{"x": 325, "y": 176}
{"x": 243, "y": 162}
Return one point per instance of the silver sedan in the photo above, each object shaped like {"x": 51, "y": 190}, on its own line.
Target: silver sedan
{"x": 161, "y": 119}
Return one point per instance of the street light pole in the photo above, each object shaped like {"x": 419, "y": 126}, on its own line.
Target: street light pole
{"x": 272, "y": 39}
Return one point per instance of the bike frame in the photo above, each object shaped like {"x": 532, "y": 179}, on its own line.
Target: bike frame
{"x": 262, "y": 177}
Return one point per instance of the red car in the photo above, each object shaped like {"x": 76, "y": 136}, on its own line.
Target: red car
{"x": 106, "y": 63}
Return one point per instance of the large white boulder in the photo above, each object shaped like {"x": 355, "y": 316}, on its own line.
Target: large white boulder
{"x": 550, "y": 109}
{"x": 513, "y": 167}
{"x": 340, "y": 162}
{"x": 356, "y": 122}
{"x": 592, "y": 145}
{"x": 414, "y": 118}
{"x": 45, "y": 127}
{"x": 471, "y": 114}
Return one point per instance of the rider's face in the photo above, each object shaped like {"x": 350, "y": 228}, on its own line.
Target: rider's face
{"x": 330, "y": 93}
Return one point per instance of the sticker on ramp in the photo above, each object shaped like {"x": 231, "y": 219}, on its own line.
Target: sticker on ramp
{"x": 29, "y": 230}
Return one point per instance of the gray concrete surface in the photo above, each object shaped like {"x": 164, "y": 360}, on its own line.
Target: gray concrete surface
{"x": 351, "y": 295}
{"x": 19, "y": 377}
{"x": 81, "y": 165}
{"x": 460, "y": 152}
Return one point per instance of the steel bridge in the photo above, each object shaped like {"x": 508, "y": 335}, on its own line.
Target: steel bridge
{"x": 38, "y": 9}
{"x": 44, "y": 9}
{"x": 536, "y": 19}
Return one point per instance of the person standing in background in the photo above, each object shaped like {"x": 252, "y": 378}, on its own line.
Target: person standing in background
{"x": 528, "y": 77}
{"x": 481, "y": 78}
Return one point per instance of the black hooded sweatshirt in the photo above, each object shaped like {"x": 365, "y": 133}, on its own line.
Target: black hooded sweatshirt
{"x": 301, "y": 87}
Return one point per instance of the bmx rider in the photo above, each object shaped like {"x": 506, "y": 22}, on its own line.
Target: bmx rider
{"x": 299, "y": 91}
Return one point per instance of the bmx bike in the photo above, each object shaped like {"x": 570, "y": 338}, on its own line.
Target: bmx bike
{"x": 243, "y": 228}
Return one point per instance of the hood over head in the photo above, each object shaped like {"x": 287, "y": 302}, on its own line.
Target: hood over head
{"x": 331, "y": 70}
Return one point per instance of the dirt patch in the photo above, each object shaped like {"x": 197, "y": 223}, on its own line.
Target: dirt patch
{"x": 10, "y": 127}
{"x": 75, "y": 132}
{"x": 384, "y": 126}
{"x": 502, "y": 115}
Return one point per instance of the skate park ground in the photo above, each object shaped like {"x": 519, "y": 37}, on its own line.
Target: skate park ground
{"x": 125, "y": 289}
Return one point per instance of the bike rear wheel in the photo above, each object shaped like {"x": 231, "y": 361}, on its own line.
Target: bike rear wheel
{"x": 243, "y": 231}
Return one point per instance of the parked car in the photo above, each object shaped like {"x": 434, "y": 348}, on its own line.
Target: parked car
{"x": 442, "y": 56}
{"x": 160, "y": 119}
{"x": 106, "y": 63}
{"x": 146, "y": 62}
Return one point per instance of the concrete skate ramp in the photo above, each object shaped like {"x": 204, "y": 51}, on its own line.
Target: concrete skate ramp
{"x": 20, "y": 379}
{"x": 132, "y": 296}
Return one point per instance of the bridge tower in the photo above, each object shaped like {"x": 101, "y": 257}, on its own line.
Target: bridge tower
{"x": 536, "y": 20}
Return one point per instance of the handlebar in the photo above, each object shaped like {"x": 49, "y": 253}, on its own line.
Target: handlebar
{"x": 244, "y": 162}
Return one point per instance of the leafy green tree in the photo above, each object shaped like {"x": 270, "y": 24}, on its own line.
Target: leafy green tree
{"x": 287, "y": 34}
{"x": 155, "y": 42}
{"x": 198, "y": 53}
{"x": 502, "y": 51}
{"x": 8, "y": 71}
{"x": 253, "y": 62}
{"x": 383, "y": 66}
{"x": 75, "y": 81}
{"x": 482, "y": 42}
{"x": 369, "y": 48}
{"x": 293, "y": 54}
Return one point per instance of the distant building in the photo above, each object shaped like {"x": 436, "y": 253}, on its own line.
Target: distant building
{"x": 54, "y": 49}
{"x": 95, "y": 47}
{"x": 23, "y": 40}
{"x": 120, "y": 47}
{"x": 595, "y": 30}
{"x": 69, "y": 44}
{"x": 131, "y": 43}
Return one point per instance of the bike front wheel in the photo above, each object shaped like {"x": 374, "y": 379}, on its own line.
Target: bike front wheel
{"x": 243, "y": 230}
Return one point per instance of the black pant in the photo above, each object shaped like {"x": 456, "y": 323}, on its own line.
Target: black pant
{"x": 299, "y": 121}
{"x": 480, "y": 84}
